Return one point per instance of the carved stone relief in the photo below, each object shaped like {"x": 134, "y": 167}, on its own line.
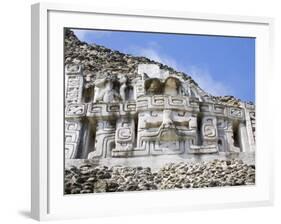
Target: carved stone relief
{"x": 172, "y": 87}
{"x": 155, "y": 113}
{"x": 72, "y": 138}
{"x": 74, "y": 84}
{"x": 209, "y": 131}
{"x": 124, "y": 137}
{"x": 75, "y": 110}
{"x": 104, "y": 139}
{"x": 105, "y": 90}
{"x": 253, "y": 122}
{"x": 235, "y": 112}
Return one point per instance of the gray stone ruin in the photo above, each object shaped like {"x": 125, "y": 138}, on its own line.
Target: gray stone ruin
{"x": 154, "y": 114}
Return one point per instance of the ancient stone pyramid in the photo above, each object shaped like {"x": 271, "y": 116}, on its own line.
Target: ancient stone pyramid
{"x": 118, "y": 105}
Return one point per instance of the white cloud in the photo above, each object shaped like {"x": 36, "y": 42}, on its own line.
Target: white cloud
{"x": 83, "y": 35}
{"x": 207, "y": 82}
{"x": 201, "y": 75}
{"x": 155, "y": 56}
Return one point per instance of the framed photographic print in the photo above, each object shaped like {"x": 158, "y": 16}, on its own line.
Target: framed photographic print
{"x": 148, "y": 111}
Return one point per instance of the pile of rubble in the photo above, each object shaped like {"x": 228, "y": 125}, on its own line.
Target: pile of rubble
{"x": 89, "y": 178}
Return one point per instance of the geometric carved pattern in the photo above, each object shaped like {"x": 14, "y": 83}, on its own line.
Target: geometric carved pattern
{"x": 209, "y": 131}
{"x": 104, "y": 145}
{"x": 218, "y": 109}
{"x": 124, "y": 134}
{"x": 160, "y": 102}
{"x": 172, "y": 117}
{"x": 235, "y": 112}
{"x": 74, "y": 84}
{"x": 72, "y": 138}
{"x": 124, "y": 137}
{"x": 69, "y": 150}
{"x": 139, "y": 88}
{"x": 72, "y": 126}
{"x": 74, "y": 90}
{"x": 205, "y": 108}
{"x": 223, "y": 132}
{"x": 212, "y": 108}
{"x": 75, "y": 110}
{"x": 129, "y": 106}
{"x": 252, "y": 115}
{"x": 102, "y": 110}
{"x": 105, "y": 140}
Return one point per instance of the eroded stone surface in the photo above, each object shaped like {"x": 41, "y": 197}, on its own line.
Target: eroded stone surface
{"x": 126, "y": 117}
{"x": 90, "y": 178}
{"x": 120, "y": 106}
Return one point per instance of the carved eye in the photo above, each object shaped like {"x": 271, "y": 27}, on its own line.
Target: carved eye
{"x": 181, "y": 114}
{"x": 153, "y": 124}
{"x": 125, "y": 124}
{"x": 154, "y": 114}
{"x": 209, "y": 121}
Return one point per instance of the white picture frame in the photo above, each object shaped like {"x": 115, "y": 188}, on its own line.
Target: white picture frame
{"x": 48, "y": 201}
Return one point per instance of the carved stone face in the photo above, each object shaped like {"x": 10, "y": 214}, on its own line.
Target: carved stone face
{"x": 172, "y": 83}
{"x": 171, "y": 86}
{"x": 166, "y": 125}
{"x": 153, "y": 86}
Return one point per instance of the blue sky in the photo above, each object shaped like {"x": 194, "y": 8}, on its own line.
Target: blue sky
{"x": 220, "y": 65}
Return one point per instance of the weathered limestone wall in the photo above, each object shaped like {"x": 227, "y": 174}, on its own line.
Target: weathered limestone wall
{"x": 155, "y": 113}
{"x": 73, "y": 98}
{"x": 136, "y": 124}
{"x": 156, "y": 162}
